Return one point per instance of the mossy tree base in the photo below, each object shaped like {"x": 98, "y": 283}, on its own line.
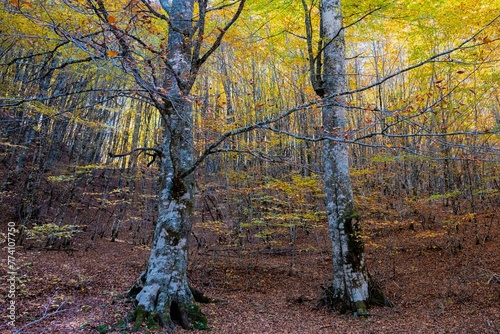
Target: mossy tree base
{"x": 188, "y": 316}
{"x": 332, "y": 300}
{"x": 141, "y": 316}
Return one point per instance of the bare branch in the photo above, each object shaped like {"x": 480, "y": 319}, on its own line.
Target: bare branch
{"x": 156, "y": 153}
{"x": 45, "y": 316}
{"x": 141, "y": 149}
{"x": 460, "y": 46}
{"x": 219, "y": 38}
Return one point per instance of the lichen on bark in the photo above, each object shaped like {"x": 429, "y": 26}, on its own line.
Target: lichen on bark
{"x": 350, "y": 289}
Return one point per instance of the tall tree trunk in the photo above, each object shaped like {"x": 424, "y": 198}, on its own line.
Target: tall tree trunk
{"x": 165, "y": 291}
{"x": 350, "y": 277}
{"x": 162, "y": 292}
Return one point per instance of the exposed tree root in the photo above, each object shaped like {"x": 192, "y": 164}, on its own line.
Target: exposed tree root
{"x": 188, "y": 316}
{"x": 200, "y": 297}
{"x": 332, "y": 301}
{"x": 377, "y": 296}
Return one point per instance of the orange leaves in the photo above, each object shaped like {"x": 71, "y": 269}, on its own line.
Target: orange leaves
{"x": 439, "y": 83}
{"x": 486, "y": 40}
{"x": 18, "y": 3}
{"x": 163, "y": 91}
{"x": 144, "y": 18}
{"x": 112, "y": 21}
{"x": 112, "y": 53}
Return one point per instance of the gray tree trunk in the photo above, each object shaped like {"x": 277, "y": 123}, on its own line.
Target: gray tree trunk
{"x": 162, "y": 292}
{"x": 350, "y": 276}
{"x": 165, "y": 291}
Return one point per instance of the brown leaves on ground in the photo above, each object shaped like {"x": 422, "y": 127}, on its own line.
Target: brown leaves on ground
{"x": 436, "y": 288}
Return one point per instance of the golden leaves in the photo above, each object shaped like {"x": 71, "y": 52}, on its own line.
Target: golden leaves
{"x": 112, "y": 53}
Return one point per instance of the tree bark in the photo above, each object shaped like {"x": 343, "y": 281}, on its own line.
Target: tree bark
{"x": 162, "y": 292}
{"x": 350, "y": 277}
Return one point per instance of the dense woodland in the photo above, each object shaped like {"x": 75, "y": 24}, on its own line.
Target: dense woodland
{"x": 83, "y": 162}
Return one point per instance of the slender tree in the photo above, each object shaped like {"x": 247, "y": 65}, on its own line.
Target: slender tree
{"x": 351, "y": 283}
{"x": 350, "y": 276}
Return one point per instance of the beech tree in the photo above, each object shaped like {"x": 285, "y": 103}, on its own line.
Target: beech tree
{"x": 162, "y": 291}
{"x": 351, "y": 288}
{"x": 350, "y": 276}
{"x": 163, "y": 288}
{"x": 164, "y": 66}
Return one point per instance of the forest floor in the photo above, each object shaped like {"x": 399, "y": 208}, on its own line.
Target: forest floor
{"x": 436, "y": 286}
